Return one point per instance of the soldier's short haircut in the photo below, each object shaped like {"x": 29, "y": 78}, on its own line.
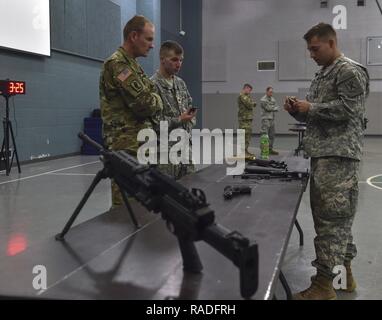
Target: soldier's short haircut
{"x": 136, "y": 23}
{"x": 247, "y": 85}
{"x": 269, "y": 88}
{"x": 168, "y": 46}
{"x": 322, "y": 31}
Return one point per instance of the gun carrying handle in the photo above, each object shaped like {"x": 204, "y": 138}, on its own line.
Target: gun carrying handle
{"x": 190, "y": 256}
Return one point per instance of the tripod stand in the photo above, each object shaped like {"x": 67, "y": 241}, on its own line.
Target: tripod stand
{"x": 8, "y": 133}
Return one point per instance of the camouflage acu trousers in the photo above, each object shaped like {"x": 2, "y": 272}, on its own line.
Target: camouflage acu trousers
{"x": 333, "y": 199}
{"x": 268, "y": 127}
{"x": 116, "y": 196}
{"x": 247, "y": 126}
{"x": 180, "y": 170}
{"x": 116, "y": 141}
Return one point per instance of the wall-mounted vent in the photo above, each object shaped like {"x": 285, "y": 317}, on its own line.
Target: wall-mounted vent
{"x": 360, "y": 3}
{"x": 323, "y": 4}
{"x": 266, "y": 65}
{"x": 374, "y": 51}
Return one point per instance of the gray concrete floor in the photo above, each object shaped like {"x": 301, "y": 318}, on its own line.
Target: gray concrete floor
{"x": 36, "y": 204}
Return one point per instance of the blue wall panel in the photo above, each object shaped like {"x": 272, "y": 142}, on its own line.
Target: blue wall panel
{"x": 75, "y": 26}
{"x": 86, "y": 27}
{"x": 61, "y": 91}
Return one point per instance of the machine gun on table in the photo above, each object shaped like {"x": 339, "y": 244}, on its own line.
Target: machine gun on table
{"x": 260, "y": 173}
{"x": 187, "y": 213}
{"x": 268, "y": 163}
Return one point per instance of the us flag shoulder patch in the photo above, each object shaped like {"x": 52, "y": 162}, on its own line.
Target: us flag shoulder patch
{"x": 124, "y": 74}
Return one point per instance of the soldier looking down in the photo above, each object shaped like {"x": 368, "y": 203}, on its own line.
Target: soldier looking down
{"x": 178, "y": 110}
{"x": 129, "y": 101}
{"x": 334, "y": 112}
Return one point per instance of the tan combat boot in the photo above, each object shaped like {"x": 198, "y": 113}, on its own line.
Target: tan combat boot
{"x": 273, "y": 152}
{"x": 320, "y": 289}
{"x": 249, "y": 156}
{"x": 350, "y": 282}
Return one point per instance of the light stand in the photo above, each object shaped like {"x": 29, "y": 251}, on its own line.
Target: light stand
{"x": 6, "y": 155}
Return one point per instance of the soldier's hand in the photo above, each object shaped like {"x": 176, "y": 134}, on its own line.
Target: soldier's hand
{"x": 302, "y": 106}
{"x": 289, "y": 104}
{"x": 186, "y": 116}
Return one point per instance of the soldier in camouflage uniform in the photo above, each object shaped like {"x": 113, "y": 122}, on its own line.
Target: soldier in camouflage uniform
{"x": 269, "y": 106}
{"x": 334, "y": 112}
{"x": 245, "y": 115}
{"x": 177, "y": 102}
{"x": 129, "y": 101}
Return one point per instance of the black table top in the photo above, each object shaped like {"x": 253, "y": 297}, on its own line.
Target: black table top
{"x": 106, "y": 258}
{"x": 266, "y": 216}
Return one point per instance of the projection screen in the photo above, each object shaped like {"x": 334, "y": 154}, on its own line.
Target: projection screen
{"x": 25, "y": 26}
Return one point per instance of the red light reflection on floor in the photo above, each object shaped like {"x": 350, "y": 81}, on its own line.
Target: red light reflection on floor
{"x": 16, "y": 244}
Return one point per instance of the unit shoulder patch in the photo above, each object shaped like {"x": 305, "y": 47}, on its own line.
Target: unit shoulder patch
{"x": 136, "y": 85}
{"x": 350, "y": 84}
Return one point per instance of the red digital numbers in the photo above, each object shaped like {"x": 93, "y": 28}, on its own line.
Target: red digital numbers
{"x": 11, "y": 87}
{"x": 16, "y": 87}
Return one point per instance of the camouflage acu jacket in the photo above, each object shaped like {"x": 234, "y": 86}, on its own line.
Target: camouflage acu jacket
{"x": 246, "y": 107}
{"x": 268, "y": 107}
{"x": 175, "y": 99}
{"x": 129, "y": 101}
{"x": 335, "y": 121}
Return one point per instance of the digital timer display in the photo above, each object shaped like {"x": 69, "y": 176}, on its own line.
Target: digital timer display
{"x": 12, "y": 87}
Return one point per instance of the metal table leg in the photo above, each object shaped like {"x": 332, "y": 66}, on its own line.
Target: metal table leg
{"x": 300, "y": 232}
{"x": 285, "y": 286}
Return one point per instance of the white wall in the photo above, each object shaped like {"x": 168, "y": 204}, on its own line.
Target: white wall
{"x": 237, "y": 33}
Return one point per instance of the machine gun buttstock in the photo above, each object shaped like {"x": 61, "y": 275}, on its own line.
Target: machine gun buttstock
{"x": 249, "y": 272}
